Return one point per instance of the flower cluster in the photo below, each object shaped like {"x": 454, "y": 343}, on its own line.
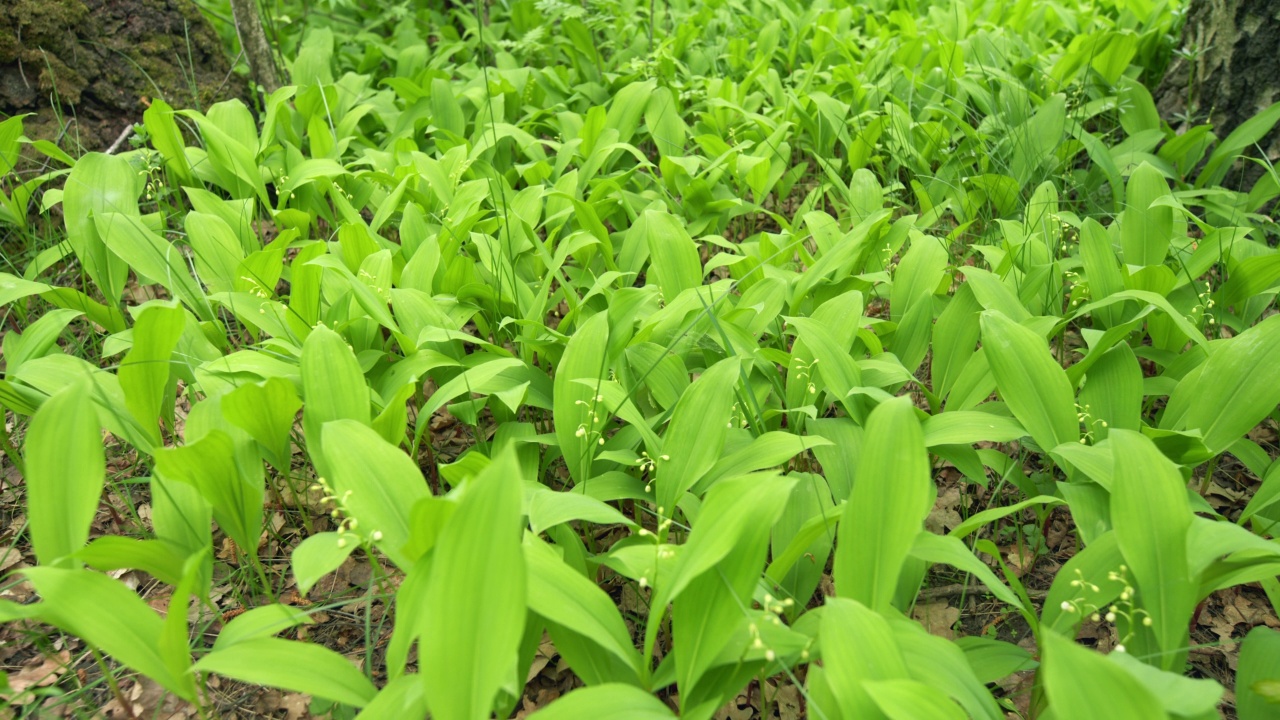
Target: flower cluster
{"x": 1123, "y": 609}
{"x": 585, "y": 430}
{"x": 347, "y": 524}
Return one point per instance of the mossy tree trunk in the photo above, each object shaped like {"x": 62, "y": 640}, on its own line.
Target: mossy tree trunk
{"x": 86, "y": 69}
{"x": 1226, "y": 69}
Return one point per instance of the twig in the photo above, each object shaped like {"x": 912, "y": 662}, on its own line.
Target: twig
{"x": 128, "y": 131}
{"x": 950, "y": 591}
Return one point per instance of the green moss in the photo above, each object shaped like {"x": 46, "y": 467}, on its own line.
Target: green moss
{"x": 105, "y": 59}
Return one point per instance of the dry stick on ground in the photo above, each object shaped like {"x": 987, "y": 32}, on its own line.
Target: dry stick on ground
{"x": 950, "y": 591}
{"x": 253, "y": 40}
{"x": 128, "y": 130}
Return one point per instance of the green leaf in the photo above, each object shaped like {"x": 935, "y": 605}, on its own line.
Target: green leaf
{"x": 966, "y": 427}
{"x": 736, "y": 511}
{"x": 1244, "y": 136}
{"x": 167, "y": 138}
{"x": 154, "y": 557}
{"x": 303, "y": 667}
{"x": 217, "y": 251}
{"x": 1030, "y": 381}
{"x": 108, "y": 615}
{"x": 1081, "y": 683}
{"x": 949, "y": 550}
{"x": 152, "y": 257}
{"x": 145, "y": 371}
{"x": 1237, "y": 387}
{"x": 260, "y": 622}
{"x": 611, "y": 701}
{"x": 1258, "y": 679}
{"x": 663, "y": 121}
{"x": 333, "y": 387}
{"x": 377, "y": 483}
{"x": 1146, "y": 228}
{"x": 1151, "y": 515}
{"x": 903, "y": 699}
{"x": 37, "y": 339}
{"x": 65, "y": 473}
{"x": 210, "y": 466}
{"x": 563, "y": 596}
{"x": 99, "y": 184}
{"x": 673, "y": 254}
{"x": 696, "y": 434}
{"x": 994, "y": 660}
{"x": 574, "y": 404}
{"x": 319, "y": 555}
{"x": 1180, "y": 695}
{"x": 266, "y": 411}
{"x": 473, "y": 632}
{"x": 887, "y": 507}
{"x": 875, "y": 656}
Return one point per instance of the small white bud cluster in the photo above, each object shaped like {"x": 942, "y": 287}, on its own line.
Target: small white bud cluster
{"x": 585, "y": 430}
{"x": 347, "y": 524}
{"x": 805, "y": 372}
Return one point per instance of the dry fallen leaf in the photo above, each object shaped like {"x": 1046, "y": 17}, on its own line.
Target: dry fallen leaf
{"x": 937, "y": 617}
{"x": 42, "y": 672}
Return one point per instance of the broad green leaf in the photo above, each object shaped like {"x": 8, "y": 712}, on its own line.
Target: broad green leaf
{"x": 403, "y": 697}
{"x": 673, "y": 255}
{"x": 612, "y": 701}
{"x": 1244, "y": 136}
{"x": 1030, "y": 381}
{"x": 260, "y": 622}
{"x": 1237, "y": 386}
{"x": 217, "y": 250}
{"x": 563, "y": 596}
{"x": 993, "y": 660}
{"x": 1152, "y": 517}
{"x": 304, "y": 667}
{"x": 108, "y": 615}
{"x": 663, "y": 121}
{"x": 1081, "y": 683}
{"x": 949, "y": 550}
{"x": 902, "y": 699}
{"x": 209, "y": 465}
{"x": 857, "y": 645}
{"x": 332, "y": 386}
{"x": 887, "y": 507}
{"x": 158, "y": 558}
{"x": 1112, "y": 394}
{"x": 153, "y": 258}
{"x": 1180, "y": 695}
{"x": 574, "y": 404}
{"x": 145, "y": 371}
{"x": 167, "y": 138}
{"x": 737, "y": 512}
{"x": 707, "y": 617}
{"x": 99, "y": 184}
{"x": 965, "y": 427}
{"x": 37, "y": 339}
{"x": 1258, "y": 680}
{"x": 1146, "y": 228}
{"x": 266, "y": 411}
{"x": 318, "y": 555}
{"x": 65, "y": 473}
{"x": 376, "y": 483}
{"x": 472, "y": 632}
{"x": 695, "y": 437}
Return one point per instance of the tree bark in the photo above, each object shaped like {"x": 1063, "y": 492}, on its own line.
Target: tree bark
{"x": 1226, "y": 70}
{"x": 86, "y": 69}
{"x": 253, "y": 40}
